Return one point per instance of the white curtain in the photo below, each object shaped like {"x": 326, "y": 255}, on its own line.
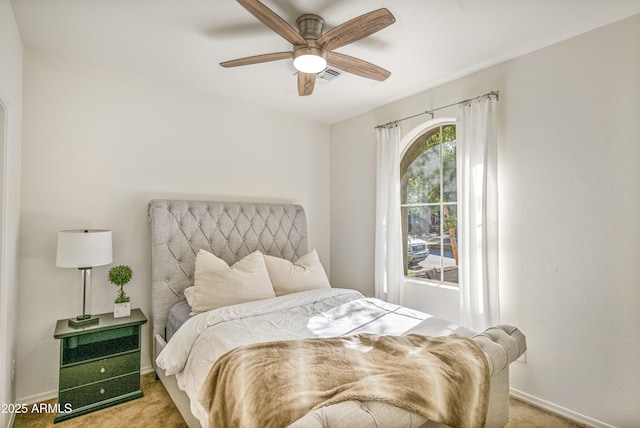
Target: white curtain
{"x": 478, "y": 214}
{"x": 389, "y": 271}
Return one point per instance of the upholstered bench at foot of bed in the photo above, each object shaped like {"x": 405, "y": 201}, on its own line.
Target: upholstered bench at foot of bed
{"x": 358, "y": 414}
{"x": 502, "y": 345}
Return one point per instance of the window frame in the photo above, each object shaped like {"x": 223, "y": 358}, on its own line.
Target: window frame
{"x": 406, "y": 144}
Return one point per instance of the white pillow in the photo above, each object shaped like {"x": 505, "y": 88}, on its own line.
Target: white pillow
{"x": 217, "y": 285}
{"x": 306, "y": 273}
{"x": 189, "y": 294}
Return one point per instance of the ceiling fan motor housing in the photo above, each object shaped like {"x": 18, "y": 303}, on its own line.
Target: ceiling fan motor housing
{"x": 310, "y": 26}
{"x": 312, "y": 48}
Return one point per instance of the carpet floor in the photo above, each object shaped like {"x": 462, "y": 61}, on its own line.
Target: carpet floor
{"x": 156, "y": 409}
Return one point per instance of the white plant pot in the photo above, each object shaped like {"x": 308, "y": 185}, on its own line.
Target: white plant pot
{"x": 121, "y": 310}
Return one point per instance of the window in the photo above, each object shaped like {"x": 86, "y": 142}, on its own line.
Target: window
{"x": 429, "y": 206}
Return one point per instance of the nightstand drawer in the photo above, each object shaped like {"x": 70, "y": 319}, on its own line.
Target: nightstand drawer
{"x": 82, "y": 374}
{"x": 100, "y": 391}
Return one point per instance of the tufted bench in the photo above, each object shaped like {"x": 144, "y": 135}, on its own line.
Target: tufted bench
{"x": 502, "y": 345}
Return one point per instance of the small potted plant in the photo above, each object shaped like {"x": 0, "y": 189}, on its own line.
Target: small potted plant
{"x": 119, "y": 276}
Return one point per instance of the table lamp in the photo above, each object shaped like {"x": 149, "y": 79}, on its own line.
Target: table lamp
{"x": 83, "y": 249}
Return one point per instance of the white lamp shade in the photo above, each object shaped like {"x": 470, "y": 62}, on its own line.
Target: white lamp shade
{"x": 83, "y": 248}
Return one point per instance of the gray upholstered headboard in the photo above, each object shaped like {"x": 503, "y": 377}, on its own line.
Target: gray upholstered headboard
{"x": 230, "y": 230}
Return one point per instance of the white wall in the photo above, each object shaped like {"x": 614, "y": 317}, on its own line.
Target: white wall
{"x": 11, "y": 97}
{"x": 569, "y": 152}
{"x": 99, "y": 144}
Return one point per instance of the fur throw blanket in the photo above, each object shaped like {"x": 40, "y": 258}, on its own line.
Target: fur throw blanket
{"x": 445, "y": 379}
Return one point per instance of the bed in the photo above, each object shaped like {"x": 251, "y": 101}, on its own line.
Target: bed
{"x": 233, "y": 232}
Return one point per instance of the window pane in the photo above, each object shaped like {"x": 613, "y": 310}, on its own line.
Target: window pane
{"x": 449, "y": 172}
{"x": 432, "y": 269}
{"x": 432, "y": 254}
{"x": 450, "y": 244}
{"x": 422, "y": 177}
{"x": 424, "y": 231}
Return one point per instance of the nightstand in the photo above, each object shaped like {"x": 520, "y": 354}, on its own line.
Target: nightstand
{"x": 99, "y": 364}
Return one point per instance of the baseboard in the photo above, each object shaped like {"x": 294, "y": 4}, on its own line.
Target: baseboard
{"x": 49, "y": 395}
{"x": 38, "y": 398}
{"x": 558, "y": 410}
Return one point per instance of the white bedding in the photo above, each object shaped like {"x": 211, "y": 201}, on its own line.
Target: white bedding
{"x": 201, "y": 340}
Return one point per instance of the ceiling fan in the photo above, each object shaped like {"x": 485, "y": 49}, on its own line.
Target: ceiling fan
{"x": 313, "y": 50}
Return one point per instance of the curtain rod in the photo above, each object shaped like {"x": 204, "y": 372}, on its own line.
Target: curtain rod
{"x": 488, "y": 95}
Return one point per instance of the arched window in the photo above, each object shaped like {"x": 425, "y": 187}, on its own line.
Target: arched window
{"x": 429, "y": 205}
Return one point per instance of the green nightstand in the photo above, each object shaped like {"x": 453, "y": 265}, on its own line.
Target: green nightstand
{"x": 99, "y": 364}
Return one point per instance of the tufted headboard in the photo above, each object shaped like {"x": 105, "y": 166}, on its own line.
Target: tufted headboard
{"x": 230, "y": 230}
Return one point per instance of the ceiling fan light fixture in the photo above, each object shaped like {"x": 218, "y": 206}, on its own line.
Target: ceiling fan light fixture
{"x": 310, "y": 63}
{"x": 309, "y": 59}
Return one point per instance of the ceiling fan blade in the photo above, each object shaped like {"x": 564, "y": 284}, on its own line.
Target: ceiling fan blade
{"x": 306, "y": 82}
{"x": 356, "y": 29}
{"x": 357, "y": 66}
{"x": 257, "y": 59}
{"x": 273, "y": 21}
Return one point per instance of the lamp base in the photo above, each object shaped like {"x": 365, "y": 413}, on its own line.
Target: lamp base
{"x": 83, "y": 321}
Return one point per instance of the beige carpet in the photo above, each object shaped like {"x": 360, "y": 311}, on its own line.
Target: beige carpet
{"x": 523, "y": 415}
{"x": 156, "y": 409}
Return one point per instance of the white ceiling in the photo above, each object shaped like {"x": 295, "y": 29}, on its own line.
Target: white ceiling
{"x": 182, "y": 41}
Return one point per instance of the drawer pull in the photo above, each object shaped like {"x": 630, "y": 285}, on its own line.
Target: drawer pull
{"x": 102, "y": 370}
{"x": 101, "y": 390}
